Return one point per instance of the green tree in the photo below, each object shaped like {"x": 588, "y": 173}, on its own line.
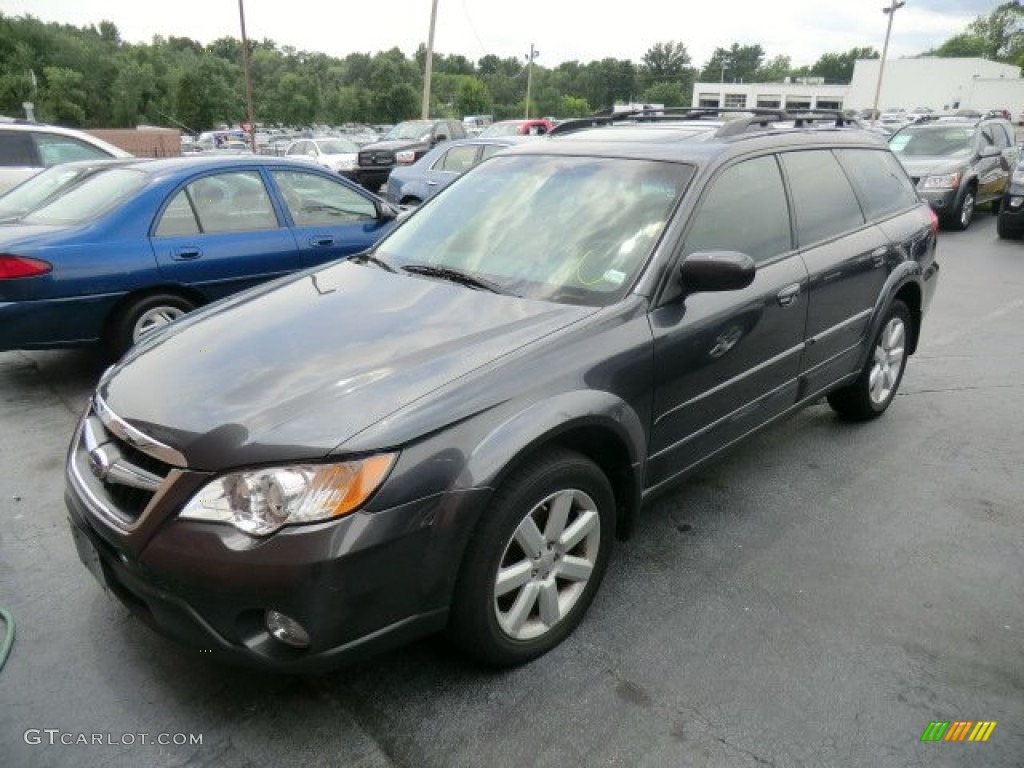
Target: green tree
{"x": 473, "y": 98}
{"x": 737, "y": 64}
{"x": 665, "y": 61}
{"x": 838, "y": 67}
{"x": 62, "y": 97}
{"x": 667, "y": 93}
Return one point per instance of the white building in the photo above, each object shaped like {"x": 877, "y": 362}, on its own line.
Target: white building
{"x": 807, "y": 93}
{"x": 938, "y": 84}
{"x": 907, "y": 83}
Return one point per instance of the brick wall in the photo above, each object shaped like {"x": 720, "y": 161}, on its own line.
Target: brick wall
{"x": 142, "y": 142}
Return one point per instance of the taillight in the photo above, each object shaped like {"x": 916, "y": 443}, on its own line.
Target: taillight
{"x": 21, "y": 266}
{"x": 934, "y": 221}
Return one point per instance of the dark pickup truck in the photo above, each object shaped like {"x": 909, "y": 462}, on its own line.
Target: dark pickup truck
{"x": 403, "y": 145}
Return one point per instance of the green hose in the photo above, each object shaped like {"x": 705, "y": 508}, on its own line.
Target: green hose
{"x": 5, "y": 646}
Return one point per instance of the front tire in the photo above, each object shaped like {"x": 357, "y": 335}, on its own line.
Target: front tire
{"x": 961, "y": 218}
{"x": 1004, "y": 230}
{"x": 874, "y": 390}
{"x": 536, "y": 560}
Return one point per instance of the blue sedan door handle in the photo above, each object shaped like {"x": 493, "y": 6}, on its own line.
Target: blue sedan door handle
{"x": 321, "y": 241}
{"x": 187, "y": 253}
{"x": 431, "y": 183}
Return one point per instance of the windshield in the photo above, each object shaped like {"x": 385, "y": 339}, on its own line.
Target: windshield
{"x": 91, "y": 198}
{"x": 29, "y": 194}
{"x": 411, "y": 130}
{"x": 501, "y": 129}
{"x": 575, "y": 230}
{"x": 338, "y": 147}
{"x": 933, "y": 140}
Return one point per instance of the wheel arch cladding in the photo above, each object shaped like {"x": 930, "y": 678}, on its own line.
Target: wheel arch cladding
{"x": 597, "y": 425}
{"x": 910, "y": 294}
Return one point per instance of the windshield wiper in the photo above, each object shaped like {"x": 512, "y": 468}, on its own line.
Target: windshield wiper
{"x": 367, "y": 256}
{"x": 457, "y": 276}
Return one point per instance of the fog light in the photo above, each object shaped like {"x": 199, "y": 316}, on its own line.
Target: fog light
{"x": 1016, "y": 201}
{"x": 287, "y": 630}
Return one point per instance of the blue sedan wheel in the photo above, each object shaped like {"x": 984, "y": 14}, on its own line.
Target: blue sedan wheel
{"x": 144, "y": 315}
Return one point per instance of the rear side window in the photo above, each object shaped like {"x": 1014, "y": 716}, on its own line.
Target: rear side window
{"x": 232, "y": 202}
{"x": 458, "y": 159}
{"x": 745, "y": 210}
{"x": 879, "y": 181}
{"x": 823, "y": 199}
{"x": 17, "y": 150}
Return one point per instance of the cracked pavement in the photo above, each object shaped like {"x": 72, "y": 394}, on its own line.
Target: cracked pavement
{"x": 814, "y": 598}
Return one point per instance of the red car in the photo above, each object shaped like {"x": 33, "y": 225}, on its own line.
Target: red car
{"x": 518, "y": 128}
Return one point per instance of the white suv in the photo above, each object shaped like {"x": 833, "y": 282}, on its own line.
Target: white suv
{"x": 28, "y": 148}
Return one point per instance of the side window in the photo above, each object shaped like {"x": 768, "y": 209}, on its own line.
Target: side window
{"x": 313, "y": 200}
{"x": 880, "y": 182}
{"x": 232, "y": 202}
{"x": 490, "y": 149}
{"x": 744, "y": 210}
{"x": 178, "y": 218}
{"x": 458, "y": 159}
{"x": 16, "y": 150}
{"x": 823, "y": 199}
{"x": 54, "y": 150}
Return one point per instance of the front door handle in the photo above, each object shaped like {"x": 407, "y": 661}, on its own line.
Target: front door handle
{"x": 321, "y": 241}
{"x": 431, "y": 183}
{"x": 878, "y": 256}
{"x": 788, "y": 295}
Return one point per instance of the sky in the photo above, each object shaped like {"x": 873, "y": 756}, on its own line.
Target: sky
{"x": 561, "y": 30}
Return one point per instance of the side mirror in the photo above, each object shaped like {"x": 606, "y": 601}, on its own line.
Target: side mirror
{"x": 439, "y": 138}
{"x": 990, "y": 151}
{"x": 387, "y": 212}
{"x": 707, "y": 271}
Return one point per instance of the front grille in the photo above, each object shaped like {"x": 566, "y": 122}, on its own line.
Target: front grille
{"x": 376, "y": 157}
{"x": 120, "y": 476}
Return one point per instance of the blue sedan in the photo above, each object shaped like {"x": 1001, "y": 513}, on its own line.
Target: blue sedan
{"x": 137, "y": 245}
{"x": 413, "y": 184}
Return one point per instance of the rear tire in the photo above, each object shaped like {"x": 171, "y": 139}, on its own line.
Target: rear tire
{"x": 874, "y": 390}
{"x": 144, "y": 315}
{"x": 535, "y": 561}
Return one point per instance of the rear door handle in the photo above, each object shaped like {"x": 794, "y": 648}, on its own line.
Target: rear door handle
{"x": 431, "y": 183}
{"x": 788, "y": 295}
{"x": 321, "y": 241}
{"x": 186, "y": 253}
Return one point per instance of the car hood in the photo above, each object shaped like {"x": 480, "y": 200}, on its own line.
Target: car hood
{"x": 394, "y": 144}
{"x": 290, "y": 373}
{"x": 927, "y": 166}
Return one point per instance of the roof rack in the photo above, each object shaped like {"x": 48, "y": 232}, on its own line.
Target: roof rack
{"x": 742, "y": 122}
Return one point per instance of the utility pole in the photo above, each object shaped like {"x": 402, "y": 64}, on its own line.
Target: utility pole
{"x": 429, "y": 67}
{"x": 529, "y": 76}
{"x": 894, "y": 6}
{"x": 248, "y": 79}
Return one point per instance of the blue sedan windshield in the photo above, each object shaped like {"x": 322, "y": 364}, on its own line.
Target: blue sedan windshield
{"x": 90, "y": 199}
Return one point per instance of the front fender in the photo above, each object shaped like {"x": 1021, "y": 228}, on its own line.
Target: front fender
{"x": 544, "y": 422}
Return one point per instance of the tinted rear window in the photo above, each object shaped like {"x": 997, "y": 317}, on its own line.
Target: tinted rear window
{"x": 879, "y": 180}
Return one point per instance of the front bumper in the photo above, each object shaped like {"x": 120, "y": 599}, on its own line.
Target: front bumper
{"x": 942, "y": 201}
{"x": 1011, "y": 213}
{"x": 357, "y": 585}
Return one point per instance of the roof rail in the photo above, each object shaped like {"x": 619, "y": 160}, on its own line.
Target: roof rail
{"x": 741, "y": 119}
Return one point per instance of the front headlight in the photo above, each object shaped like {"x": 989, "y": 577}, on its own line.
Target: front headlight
{"x": 405, "y": 157}
{"x": 1018, "y": 176}
{"x": 261, "y": 501}
{"x": 945, "y": 181}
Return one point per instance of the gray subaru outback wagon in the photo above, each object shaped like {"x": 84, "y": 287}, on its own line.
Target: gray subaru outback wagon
{"x": 450, "y": 431}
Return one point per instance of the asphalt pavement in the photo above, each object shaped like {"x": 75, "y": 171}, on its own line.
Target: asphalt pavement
{"x": 816, "y": 598}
